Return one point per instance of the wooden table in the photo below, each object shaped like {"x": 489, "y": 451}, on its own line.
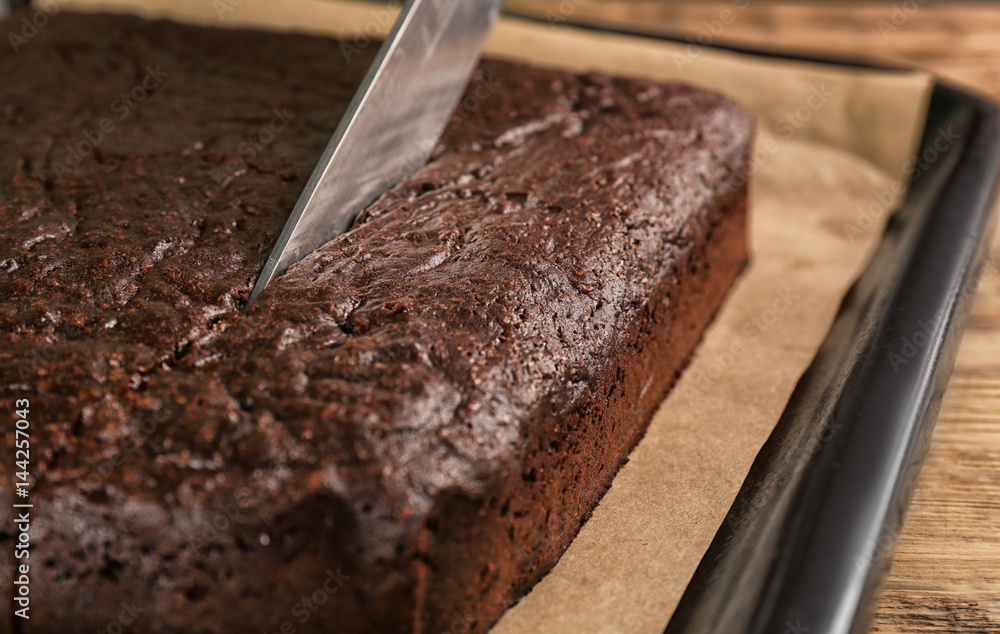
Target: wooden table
{"x": 946, "y": 573}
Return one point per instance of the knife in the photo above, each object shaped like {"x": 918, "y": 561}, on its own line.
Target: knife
{"x": 391, "y": 125}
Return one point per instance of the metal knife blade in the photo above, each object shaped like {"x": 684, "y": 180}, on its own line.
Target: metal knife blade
{"x": 392, "y": 124}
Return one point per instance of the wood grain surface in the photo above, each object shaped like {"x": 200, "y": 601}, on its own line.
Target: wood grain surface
{"x": 946, "y": 572}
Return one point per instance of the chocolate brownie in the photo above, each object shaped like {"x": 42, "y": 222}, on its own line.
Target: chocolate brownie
{"x": 410, "y": 426}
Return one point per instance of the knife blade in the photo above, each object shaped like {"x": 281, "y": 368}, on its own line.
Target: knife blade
{"x": 391, "y": 125}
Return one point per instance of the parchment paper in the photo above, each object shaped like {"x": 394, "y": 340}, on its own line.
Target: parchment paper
{"x": 833, "y": 145}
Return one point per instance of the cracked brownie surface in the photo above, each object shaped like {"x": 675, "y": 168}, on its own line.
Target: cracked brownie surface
{"x": 415, "y": 420}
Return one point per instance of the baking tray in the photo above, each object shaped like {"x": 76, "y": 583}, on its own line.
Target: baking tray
{"x": 806, "y": 539}
{"x": 807, "y": 542}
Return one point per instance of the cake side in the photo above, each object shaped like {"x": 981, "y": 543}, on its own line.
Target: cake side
{"x": 378, "y": 430}
{"x": 485, "y": 553}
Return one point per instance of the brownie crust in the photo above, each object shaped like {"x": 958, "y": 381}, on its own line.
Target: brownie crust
{"x": 409, "y": 427}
